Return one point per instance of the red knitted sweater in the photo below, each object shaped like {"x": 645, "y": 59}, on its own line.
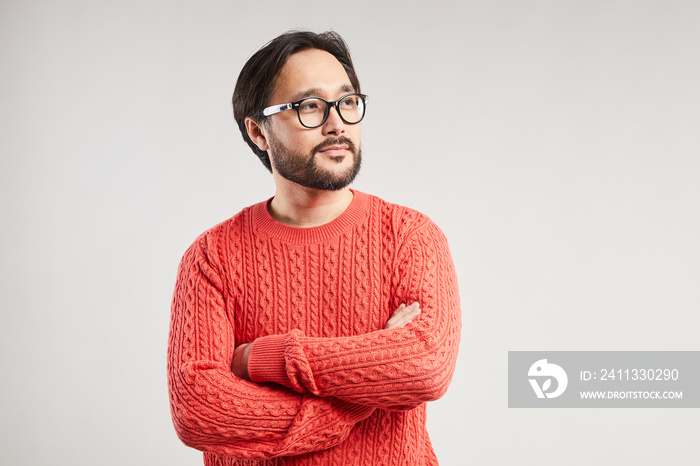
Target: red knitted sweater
{"x": 331, "y": 387}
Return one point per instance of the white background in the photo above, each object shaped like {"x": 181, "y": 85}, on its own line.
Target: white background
{"x": 556, "y": 144}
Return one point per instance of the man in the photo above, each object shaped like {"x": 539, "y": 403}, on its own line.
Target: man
{"x": 313, "y": 327}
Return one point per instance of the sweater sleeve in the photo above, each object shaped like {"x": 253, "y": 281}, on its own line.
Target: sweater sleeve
{"x": 213, "y": 410}
{"x": 390, "y": 369}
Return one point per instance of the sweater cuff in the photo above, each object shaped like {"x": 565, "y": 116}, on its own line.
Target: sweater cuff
{"x": 266, "y": 361}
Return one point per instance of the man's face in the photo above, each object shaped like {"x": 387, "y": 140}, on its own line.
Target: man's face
{"x": 327, "y": 157}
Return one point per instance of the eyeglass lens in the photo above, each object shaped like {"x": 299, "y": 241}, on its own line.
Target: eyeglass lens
{"x": 313, "y": 111}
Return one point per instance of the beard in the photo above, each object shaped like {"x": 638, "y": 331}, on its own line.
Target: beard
{"x": 305, "y": 171}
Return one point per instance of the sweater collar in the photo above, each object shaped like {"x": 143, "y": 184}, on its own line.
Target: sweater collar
{"x": 351, "y": 217}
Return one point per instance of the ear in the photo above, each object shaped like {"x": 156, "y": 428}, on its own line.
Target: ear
{"x": 256, "y": 133}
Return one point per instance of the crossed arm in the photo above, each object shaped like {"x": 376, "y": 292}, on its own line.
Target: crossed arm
{"x": 409, "y": 362}
{"x": 403, "y": 315}
{"x": 325, "y": 385}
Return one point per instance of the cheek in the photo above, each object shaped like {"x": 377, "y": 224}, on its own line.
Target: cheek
{"x": 355, "y": 130}
{"x": 299, "y": 142}
{"x": 305, "y": 141}
{"x": 281, "y": 138}
{"x": 354, "y": 133}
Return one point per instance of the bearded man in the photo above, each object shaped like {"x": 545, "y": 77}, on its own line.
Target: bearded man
{"x": 311, "y": 328}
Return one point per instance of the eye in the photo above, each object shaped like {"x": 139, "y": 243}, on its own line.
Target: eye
{"x": 349, "y": 102}
{"x": 309, "y": 106}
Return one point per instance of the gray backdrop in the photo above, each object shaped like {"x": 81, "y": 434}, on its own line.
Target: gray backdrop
{"x": 555, "y": 143}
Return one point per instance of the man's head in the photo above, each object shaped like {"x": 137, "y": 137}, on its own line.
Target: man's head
{"x": 291, "y": 67}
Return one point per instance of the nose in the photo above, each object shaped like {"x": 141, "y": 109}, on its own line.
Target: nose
{"x": 334, "y": 125}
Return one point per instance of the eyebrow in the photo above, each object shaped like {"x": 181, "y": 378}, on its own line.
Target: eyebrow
{"x": 315, "y": 91}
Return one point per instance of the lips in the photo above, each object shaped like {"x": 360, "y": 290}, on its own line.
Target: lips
{"x": 335, "y": 149}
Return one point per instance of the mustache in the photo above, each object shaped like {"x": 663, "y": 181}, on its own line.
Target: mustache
{"x": 332, "y": 141}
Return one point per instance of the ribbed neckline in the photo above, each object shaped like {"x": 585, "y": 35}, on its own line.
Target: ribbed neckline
{"x": 352, "y": 216}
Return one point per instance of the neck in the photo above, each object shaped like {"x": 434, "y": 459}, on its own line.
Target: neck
{"x": 304, "y": 207}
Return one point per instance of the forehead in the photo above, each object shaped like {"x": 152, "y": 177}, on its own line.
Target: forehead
{"x": 311, "y": 72}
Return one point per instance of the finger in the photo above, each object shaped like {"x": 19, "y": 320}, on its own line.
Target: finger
{"x": 400, "y": 321}
{"x": 398, "y": 312}
{"x": 403, "y": 315}
{"x": 403, "y": 309}
{"x": 395, "y": 316}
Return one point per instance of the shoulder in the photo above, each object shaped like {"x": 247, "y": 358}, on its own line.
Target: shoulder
{"x": 405, "y": 222}
{"x": 217, "y": 241}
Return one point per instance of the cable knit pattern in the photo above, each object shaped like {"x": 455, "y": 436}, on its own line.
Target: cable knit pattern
{"x": 331, "y": 387}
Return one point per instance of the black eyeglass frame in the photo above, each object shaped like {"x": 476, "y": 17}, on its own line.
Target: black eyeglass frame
{"x": 273, "y": 109}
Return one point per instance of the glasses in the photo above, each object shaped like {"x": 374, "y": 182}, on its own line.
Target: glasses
{"x": 313, "y": 111}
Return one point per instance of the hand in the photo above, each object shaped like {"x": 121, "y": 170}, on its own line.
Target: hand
{"x": 239, "y": 363}
{"x": 403, "y": 315}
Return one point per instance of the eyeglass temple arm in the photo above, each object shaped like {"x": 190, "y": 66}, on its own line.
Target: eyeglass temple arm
{"x": 276, "y": 109}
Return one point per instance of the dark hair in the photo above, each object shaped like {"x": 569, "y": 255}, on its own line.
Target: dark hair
{"x": 257, "y": 80}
